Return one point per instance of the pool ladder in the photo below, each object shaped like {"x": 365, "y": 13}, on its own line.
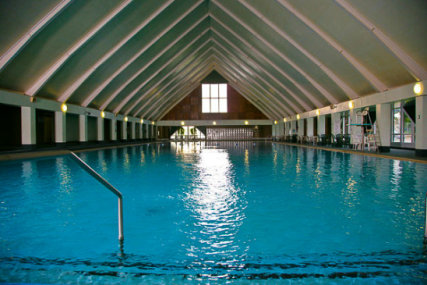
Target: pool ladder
{"x": 110, "y": 187}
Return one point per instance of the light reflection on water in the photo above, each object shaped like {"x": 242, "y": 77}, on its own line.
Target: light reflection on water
{"x": 216, "y": 205}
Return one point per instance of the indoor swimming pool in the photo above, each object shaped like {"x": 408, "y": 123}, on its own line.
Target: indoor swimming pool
{"x": 228, "y": 212}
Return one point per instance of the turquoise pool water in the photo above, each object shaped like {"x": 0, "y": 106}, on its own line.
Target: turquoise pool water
{"x": 214, "y": 213}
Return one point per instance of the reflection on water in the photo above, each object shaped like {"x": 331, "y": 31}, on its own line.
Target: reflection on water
{"x": 214, "y": 202}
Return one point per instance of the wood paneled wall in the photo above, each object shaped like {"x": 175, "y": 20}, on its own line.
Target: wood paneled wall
{"x": 190, "y": 108}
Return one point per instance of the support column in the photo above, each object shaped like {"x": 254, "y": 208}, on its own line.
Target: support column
{"x": 132, "y": 126}
{"x": 421, "y": 125}
{"x": 100, "y": 128}
{"x": 273, "y": 130}
{"x": 280, "y": 129}
{"x": 300, "y": 127}
{"x": 28, "y": 125}
{"x": 383, "y": 115}
{"x": 82, "y": 128}
{"x": 141, "y": 129}
{"x": 336, "y": 123}
{"x": 293, "y": 127}
{"x": 124, "y": 130}
{"x": 321, "y": 125}
{"x": 60, "y": 127}
{"x": 113, "y": 129}
{"x": 310, "y": 127}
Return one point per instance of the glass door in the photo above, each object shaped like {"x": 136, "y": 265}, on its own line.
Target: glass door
{"x": 403, "y": 125}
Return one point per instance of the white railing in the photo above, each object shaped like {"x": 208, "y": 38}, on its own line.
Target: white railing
{"x": 110, "y": 187}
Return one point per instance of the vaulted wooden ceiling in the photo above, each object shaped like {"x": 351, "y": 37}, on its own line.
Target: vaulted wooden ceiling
{"x": 140, "y": 58}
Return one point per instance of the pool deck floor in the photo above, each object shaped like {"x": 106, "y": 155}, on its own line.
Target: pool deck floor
{"x": 398, "y": 154}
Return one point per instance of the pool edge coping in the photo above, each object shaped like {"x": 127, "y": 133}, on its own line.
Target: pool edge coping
{"x": 47, "y": 153}
{"x": 349, "y": 151}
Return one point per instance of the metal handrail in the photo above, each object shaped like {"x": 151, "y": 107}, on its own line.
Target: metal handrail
{"x": 110, "y": 187}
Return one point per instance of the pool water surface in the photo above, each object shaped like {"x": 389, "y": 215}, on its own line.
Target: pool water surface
{"x": 222, "y": 212}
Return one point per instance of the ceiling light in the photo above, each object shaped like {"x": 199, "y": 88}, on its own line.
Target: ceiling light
{"x": 298, "y": 116}
{"x": 64, "y": 107}
{"x": 418, "y": 88}
{"x": 102, "y": 114}
{"x": 317, "y": 112}
{"x": 246, "y": 123}
{"x": 214, "y": 123}
{"x": 351, "y": 104}
{"x": 126, "y": 118}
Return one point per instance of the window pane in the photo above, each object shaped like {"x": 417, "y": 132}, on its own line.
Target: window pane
{"x": 205, "y": 106}
{"x": 205, "y": 90}
{"x": 407, "y": 124}
{"x": 408, "y": 138}
{"x": 223, "y": 90}
{"x": 396, "y": 121}
{"x": 214, "y": 90}
{"x": 396, "y": 138}
{"x": 223, "y": 105}
{"x": 214, "y": 105}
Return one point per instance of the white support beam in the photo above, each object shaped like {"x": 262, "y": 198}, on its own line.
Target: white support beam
{"x": 218, "y": 68}
{"x": 321, "y": 125}
{"x": 128, "y": 110}
{"x": 300, "y": 124}
{"x": 310, "y": 127}
{"x": 55, "y": 67}
{"x": 113, "y": 129}
{"x": 164, "y": 101}
{"x": 24, "y": 40}
{"x": 132, "y": 127}
{"x": 159, "y": 83}
{"x": 383, "y": 115}
{"x": 323, "y": 91}
{"x": 83, "y": 128}
{"x": 104, "y": 84}
{"x": 124, "y": 130}
{"x": 421, "y": 124}
{"x": 252, "y": 79}
{"x": 189, "y": 90}
{"x": 28, "y": 125}
{"x": 273, "y": 112}
{"x": 375, "y": 82}
{"x": 179, "y": 89}
{"x": 100, "y": 129}
{"x": 160, "y": 69}
{"x": 141, "y": 130}
{"x": 233, "y": 81}
{"x": 60, "y": 127}
{"x": 74, "y": 86}
{"x": 347, "y": 89}
{"x": 259, "y": 54}
{"x": 282, "y": 111}
{"x": 177, "y": 123}
{"x": 248, "y": 95}
{"x": 411, "y": 65}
